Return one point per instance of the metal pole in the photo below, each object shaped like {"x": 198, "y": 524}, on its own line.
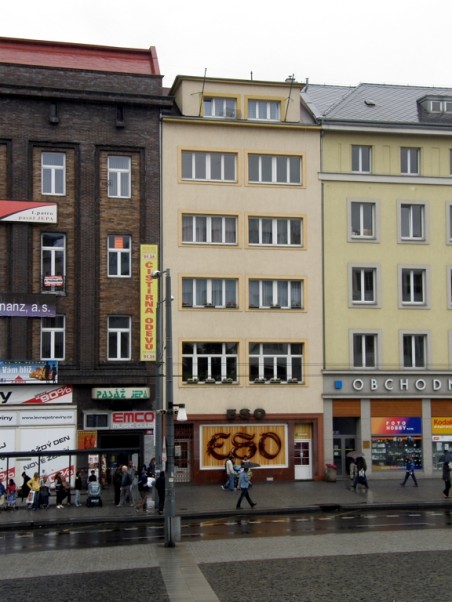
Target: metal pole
{"x": 170, "y": 507}
{"x": 158, "y": 437}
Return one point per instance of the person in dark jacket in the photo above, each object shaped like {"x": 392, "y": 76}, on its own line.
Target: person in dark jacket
{"x": 25, "y": 489}
{"x": 117, "y": 480}
{"x": 361, "y": 477}
{"x": 244, "y": 485}
{"x": 446, "y": 479}
{"x": 78, "y": 488}
{"x": 160, "y": 488}
{"x": 409, "y": 468}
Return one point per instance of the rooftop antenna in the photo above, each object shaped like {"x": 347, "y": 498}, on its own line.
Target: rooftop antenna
{"x": 251, "y": 75}
{"x": 201, "y": 98}
{"x": 291, "y": 79}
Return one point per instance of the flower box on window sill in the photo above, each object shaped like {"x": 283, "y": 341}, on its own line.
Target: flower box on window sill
{"x": 209, "y": 305}
{"x": 227, "y": 381}
{"x": 275, "y": 381}
{"x": 259, "y": 381}
{"x": 295, "y": 306}
{"x": 275, "y": 306}
{"x": 210, "y": 381}
{"x": 192, "y": 381}
{"x": 231, "y": 305}
{"x": 292, "y": 381}
{"x": 187, "y": 305}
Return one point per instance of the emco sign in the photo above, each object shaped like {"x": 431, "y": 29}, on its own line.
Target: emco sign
{"x": 132, "y": 420}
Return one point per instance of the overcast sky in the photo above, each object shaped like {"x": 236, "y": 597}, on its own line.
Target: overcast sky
{"x": 326, "y": 41}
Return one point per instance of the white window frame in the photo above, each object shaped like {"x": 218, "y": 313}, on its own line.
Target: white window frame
{"x": 269, "y": 169}
{"x": 119, "y": 178}
{"x": 264, "y": 110}
{"x": 119, "y": 254}
{"x": 208, "y": 367}
{"x": 53, "y": 335}
{"x": 217, "y": 229}
{"x": 269, "y": 227}
{"x": 359, "y": 211}
{"x": 363, "y": 272}
{"x": 449, "y": 223}
{"x": 361, "y": 159}
{"x": 267, "y": 287}
{"x": 364, "y": 338}
{"x": 267, "y": 365}
{"x": 199, "y": 166}
{"x": 413, "y": 339}
{"x": 123, "y": 336}
{"x": 449, "y": 287}
{"x": 220, "y": 107}
{"x": 415, "y": 275}
{"x": 53, "y": 256}
{"x": 409, "y": 214}
{"x": 411, "y": 157}
{"x": 55, "y": 172}
{"x": 208, "y": 289}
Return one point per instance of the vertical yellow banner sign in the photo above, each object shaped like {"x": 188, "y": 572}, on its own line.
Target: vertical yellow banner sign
{"x": 149, "y": 294}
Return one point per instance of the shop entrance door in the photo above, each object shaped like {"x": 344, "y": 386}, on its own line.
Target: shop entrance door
{"x": 302, "y": 459}
{"x": 342, "y": 446}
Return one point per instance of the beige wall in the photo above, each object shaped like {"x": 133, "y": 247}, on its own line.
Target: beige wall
{"x": 243, "y": 325}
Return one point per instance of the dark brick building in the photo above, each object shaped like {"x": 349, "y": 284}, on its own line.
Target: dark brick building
{"x": 79, "y": 132}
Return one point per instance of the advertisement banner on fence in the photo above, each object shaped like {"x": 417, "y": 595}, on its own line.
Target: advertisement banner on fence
{"x": 23, "y": 372}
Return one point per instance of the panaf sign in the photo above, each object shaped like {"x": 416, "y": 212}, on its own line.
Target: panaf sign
{"x": 132, "y": 420}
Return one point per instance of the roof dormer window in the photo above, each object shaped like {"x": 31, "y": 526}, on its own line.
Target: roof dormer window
{"x": 440, "y": 106}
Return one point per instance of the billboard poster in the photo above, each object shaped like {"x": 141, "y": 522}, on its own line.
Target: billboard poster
{"x": 22, "y": 372}
{"x": 28, "y": 394}
{"x": 265, "y": 445}
{"x": 86, "y": 439}
{"x": 7, "y": 443}
{"x": 397, "y": 425}
{"x": 149, "y": 294}
{"x": 28, "y": 211}
{"x": 48, "y": 440}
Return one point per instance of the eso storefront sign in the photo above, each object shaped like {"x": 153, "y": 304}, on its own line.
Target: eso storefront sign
{"x": 382, "y": 385}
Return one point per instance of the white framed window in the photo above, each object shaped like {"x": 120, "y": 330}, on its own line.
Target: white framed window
{"x": 209, "y": 362}
{"x": 441, "y": 106}
{"x": 361, "y": 159}
{"x": 365, "y": 350}
{"x": 119, "y": 338}
{"x": 209, "y": 166}
{"x": 275, "y": 231}
{"x": 364, "y": 285}
{"x": 409, "y": 161}
{"x": 412, "y": 222}
{"x": 209, "y": 229}
{"x": 209, "y": 292}
{"x": 282, "y": 294}
{"x": 119, "y": 256}
{"x": 53, "y": 173}
{"x": 267, "y": 110}
{"x": 414, "y": 349}
{"x": 449, "y": 287}
{"x": 216, "y": 106}
{"x": 450, "y": 162}
{"x": 277, "y": 362}
{"x": 363, "y": 220}
{"x": 413, "y": 282}
{"x": 449, "y": 223}
{"x": 53, "y": 262}
{"x": 274, "y": 169}
{"x": 53, "y": 338}
{"x": 119, "y": 177}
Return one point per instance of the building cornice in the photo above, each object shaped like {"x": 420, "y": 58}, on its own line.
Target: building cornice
{"x": 385, "y": 179}
{"x": 240, "y": 123}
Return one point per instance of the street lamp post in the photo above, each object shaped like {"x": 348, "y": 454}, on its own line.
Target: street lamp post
{"x": 172, "y": 522}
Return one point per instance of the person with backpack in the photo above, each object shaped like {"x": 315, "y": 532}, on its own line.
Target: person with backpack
{"x": 409, "y": 471}
{"x": 361, "y": 477}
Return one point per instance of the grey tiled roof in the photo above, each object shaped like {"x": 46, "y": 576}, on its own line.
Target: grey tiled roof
{"x": 385, "y": 103}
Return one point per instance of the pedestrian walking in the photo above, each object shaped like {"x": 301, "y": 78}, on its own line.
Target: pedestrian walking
{"x": 160, "y": 488}
{"x": 142, "y": 489}
{"x": 230, "y": 474}
{"x": 60, "y": 490}
{"x": 244, "y": 485}
{"x": 117, "y": 481}
{"x": 361, "y": 477}
{"x": 446, "y": 479}
{"x": 78, "y": 488}
{"x": 409, "y": 471}
{"x": 126, "y": 481}
{"x": 25, "y": 489}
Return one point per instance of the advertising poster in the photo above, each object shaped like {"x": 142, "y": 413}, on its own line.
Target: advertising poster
{"x": 7, "y": 443}
{"x": 28, "y": 372}
{"x": 264, "y": 445}
{"x": 48, "y": 440}
{"x": 40, "y": 394}
{"x": 28, "y": 211}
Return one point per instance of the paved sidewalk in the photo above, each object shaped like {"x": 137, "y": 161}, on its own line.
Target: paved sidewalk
{"x": 210, "y": 501}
